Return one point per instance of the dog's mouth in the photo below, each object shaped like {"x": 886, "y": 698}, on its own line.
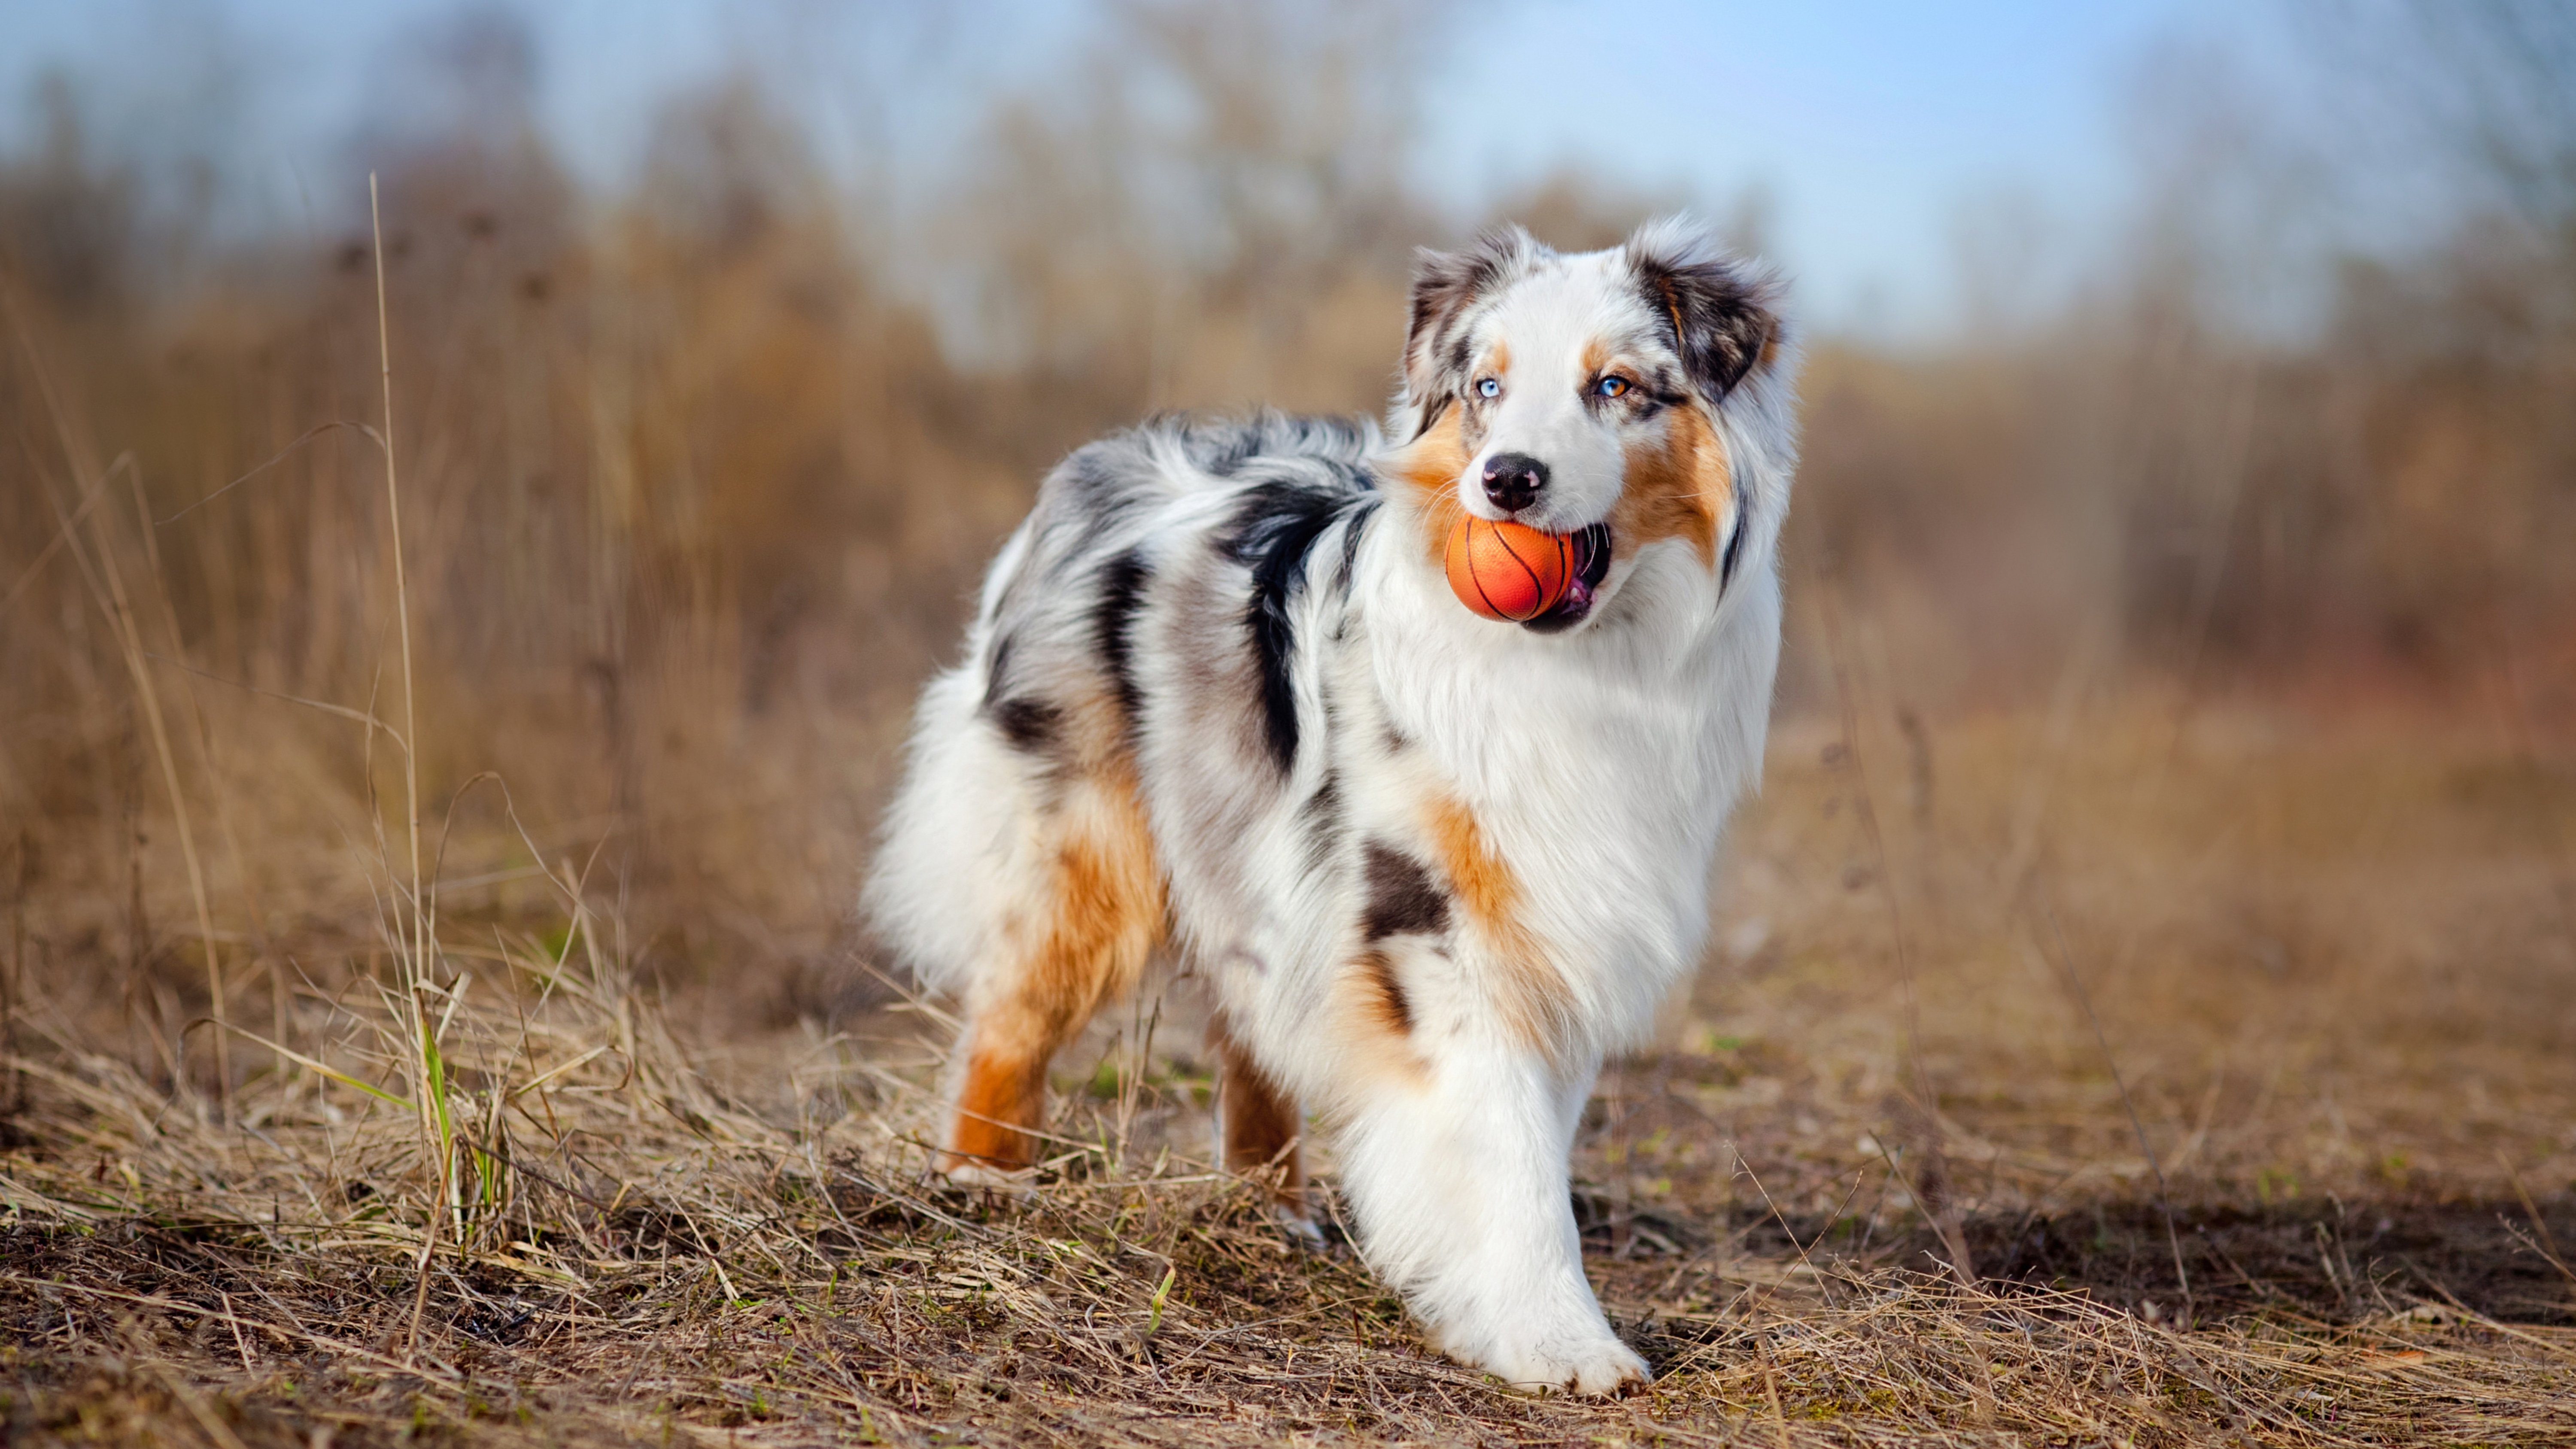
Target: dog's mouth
{"x": 1592, "y": 565}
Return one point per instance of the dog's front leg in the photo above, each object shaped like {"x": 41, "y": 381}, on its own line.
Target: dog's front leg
{"x": 1457, "y": 1176}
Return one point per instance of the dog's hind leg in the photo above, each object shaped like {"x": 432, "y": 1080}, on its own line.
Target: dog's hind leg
{"x": 1259, "y": 1129}
{"x": 1094, "y": 913}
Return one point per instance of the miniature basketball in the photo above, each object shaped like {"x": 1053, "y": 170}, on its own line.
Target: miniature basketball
{"x": 1506, "y": 570}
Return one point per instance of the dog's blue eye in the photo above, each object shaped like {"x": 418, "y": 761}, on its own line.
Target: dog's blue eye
{"x": 1489, "y": 387}
{"x": 1611, "y": 386}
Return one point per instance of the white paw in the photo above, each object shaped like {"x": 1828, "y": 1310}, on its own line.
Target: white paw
{"x": 1018, "y": 1184}
{"x": 1301, "y": 1230}
{"x": 1592, "y": 1367}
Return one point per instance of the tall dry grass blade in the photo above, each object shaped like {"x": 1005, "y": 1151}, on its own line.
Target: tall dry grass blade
{"x": 1771, "y": 1393}
{"x": 402, "y": 598}
{"x": 280, "y": 456}
{"x": 81, "y": 458}
{"x": 218, "y": 792}
{"x": 327, "y": 1070}
{"x": 411, "y": 913}
{"x": 343, "y": 711}
{"x": 106, "y": 582}
{"x": 62, "y": 536}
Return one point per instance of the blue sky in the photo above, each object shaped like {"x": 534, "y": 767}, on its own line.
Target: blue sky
{"x": 1875, "y": 130}
{"x": 1871, "y": 126}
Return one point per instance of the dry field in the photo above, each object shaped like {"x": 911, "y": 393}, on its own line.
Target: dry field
{"x": 428, "y": 1008}
{"x": 514, "y": 1197}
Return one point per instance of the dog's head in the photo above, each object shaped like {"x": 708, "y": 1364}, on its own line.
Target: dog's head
{"x": 1585, "y": 395}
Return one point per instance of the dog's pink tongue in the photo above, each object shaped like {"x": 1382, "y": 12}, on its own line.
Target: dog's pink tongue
{"x": 1578, "y": 590}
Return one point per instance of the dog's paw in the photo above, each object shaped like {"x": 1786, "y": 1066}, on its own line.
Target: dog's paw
{"x": 1302, "y": 1231}
{"x": 1593, "y": 1368}
{"x": 1014, "y": 1184}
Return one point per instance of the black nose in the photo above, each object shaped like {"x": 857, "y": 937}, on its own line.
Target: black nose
{"x": 1513, "y": 480}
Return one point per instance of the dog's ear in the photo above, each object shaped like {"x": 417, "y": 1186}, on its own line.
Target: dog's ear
{"x": 1722, "y": 313}
{"x": 1446, "y": 286}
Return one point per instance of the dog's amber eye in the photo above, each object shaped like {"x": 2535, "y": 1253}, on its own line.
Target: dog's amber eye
{"x": 1611, "y": 387}
{"x": 1489, "y": 387}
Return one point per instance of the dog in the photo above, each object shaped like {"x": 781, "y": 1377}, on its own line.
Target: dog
{"x": 1218, "y": 701}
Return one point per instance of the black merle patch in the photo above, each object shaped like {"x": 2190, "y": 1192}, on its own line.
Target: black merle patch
{"x": 1101, "y": 479}
{"x": 997, "y": 670}
{"x": 1403, "y": 900}
{"x": 1240, "y": 446}
{"x": 1720, "y": 325}
{"x": 1273, "y": 533}
{"x": 1033, "y": 726}
{"x": 1431, "y": 414}
{"x": 1351, "y": 535}
{"x": 1734, "y": 545}
{"x": 1445, "y": 286}
{"x": 1122, "y": 593}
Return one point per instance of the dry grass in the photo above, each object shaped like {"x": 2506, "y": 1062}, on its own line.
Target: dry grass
{"x": 2364, "y": 1129}
{"x": 668, "y": 1261}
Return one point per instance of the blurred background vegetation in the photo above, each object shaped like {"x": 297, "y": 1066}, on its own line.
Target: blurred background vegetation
{"x": 699, "y": 464}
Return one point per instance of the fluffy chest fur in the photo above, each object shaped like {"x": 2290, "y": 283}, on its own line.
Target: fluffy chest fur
{"x": 1484, "y": 829}
{"x": 1598, "y": 779}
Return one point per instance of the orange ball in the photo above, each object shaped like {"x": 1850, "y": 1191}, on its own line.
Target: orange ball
{"x": 1506, "y": 570}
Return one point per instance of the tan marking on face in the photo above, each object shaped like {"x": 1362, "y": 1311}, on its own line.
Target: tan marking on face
{"x": 1530, "y": 994}
{"x": 1498, "y": 363}
{"x": 1262, "y": 1125}
{"x": 1104, "y": 911}
{"x": 1596, "y": 358}
{"x": 1430, "y": 466}
{"x": 1675, "y": 487}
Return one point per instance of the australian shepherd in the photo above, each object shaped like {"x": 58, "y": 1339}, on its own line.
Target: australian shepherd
{"x": 1220, "y": 701}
